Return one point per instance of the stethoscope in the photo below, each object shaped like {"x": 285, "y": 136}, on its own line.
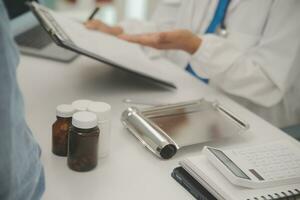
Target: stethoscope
{"x": 222, "y": 29}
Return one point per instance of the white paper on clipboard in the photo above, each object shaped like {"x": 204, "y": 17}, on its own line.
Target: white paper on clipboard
{"x": 119, "y": 53}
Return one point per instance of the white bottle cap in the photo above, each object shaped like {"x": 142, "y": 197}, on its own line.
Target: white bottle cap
{"x": 65, "y": 111}
{"x": 84, "y": 120}
{"x": 81, "y": 105}
{"x": 101, "y": 109}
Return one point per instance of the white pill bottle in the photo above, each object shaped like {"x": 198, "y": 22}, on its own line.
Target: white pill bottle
{"x": 81, "y": 105}
{"x": 103, "y": 112}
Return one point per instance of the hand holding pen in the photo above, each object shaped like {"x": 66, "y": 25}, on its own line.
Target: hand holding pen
{"x": 100, "y": 26}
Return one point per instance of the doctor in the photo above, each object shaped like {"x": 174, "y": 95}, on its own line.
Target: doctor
{"x": 249, "y": 49}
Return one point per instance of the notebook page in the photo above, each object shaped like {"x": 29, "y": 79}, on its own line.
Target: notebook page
{"x": 206, "y": 171}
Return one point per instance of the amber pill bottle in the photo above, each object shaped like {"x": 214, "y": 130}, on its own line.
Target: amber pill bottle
{"x": 60, "y": 129}
{"x": 83, "y": 142}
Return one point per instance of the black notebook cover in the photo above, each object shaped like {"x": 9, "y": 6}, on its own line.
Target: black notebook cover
{"x": 191, "y": 185}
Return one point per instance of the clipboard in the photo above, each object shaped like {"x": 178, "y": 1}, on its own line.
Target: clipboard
{"x": 142, "y": 69}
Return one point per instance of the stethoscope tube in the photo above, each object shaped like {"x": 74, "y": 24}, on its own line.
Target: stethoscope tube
{"x": 222, "y": 29}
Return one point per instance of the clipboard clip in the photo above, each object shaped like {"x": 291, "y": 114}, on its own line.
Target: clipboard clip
{"x": 48, "y": 22}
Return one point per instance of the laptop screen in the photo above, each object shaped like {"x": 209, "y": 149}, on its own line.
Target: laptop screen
{"x": 16, "y": 8}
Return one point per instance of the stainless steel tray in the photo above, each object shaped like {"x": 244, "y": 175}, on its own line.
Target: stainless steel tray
{"x": 167, "y": 128}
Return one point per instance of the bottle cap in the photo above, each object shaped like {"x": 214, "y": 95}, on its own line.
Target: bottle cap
{"x": 65, "y": 111}
{"x": 81, "y": 105}
{"x": 101, "y": 109}
{"x": 84, "y": 120}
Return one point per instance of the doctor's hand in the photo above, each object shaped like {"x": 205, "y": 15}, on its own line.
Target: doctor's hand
{"x": 176, "y": 40}
{"x": 100, "y": 26}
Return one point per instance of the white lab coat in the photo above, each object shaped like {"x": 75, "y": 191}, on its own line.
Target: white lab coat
{"x": 163, "y": 18}
{"x": 258, "y": 63}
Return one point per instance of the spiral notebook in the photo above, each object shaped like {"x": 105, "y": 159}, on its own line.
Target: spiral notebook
{"x": 209, "y": 176}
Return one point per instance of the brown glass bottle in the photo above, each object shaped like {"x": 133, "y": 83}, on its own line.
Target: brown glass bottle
{"x": 60, "y": 129}
{"x": 83, "y": 142}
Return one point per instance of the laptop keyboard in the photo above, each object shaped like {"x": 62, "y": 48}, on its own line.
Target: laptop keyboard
{"x": 34, "y": 38}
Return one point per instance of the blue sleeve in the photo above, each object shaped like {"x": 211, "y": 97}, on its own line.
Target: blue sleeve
{"x": 21, "y": 172}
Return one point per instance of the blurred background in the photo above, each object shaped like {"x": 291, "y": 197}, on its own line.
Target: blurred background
{"x": 112, "y": 11}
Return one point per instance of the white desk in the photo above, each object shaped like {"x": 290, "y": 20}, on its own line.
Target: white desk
{"x": 130, "y": 172}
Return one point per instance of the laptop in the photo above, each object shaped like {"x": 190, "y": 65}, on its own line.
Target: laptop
{"x": 30, "y": 36}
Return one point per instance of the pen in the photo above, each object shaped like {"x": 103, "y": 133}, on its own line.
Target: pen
{"x": 142, "y": 102}
{"x": 94, "y": 13}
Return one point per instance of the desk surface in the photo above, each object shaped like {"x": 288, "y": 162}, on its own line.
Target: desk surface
{"x": 130, "y": 171}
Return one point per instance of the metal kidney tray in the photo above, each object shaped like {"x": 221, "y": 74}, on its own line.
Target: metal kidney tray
{"x": 167, "y": 128}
